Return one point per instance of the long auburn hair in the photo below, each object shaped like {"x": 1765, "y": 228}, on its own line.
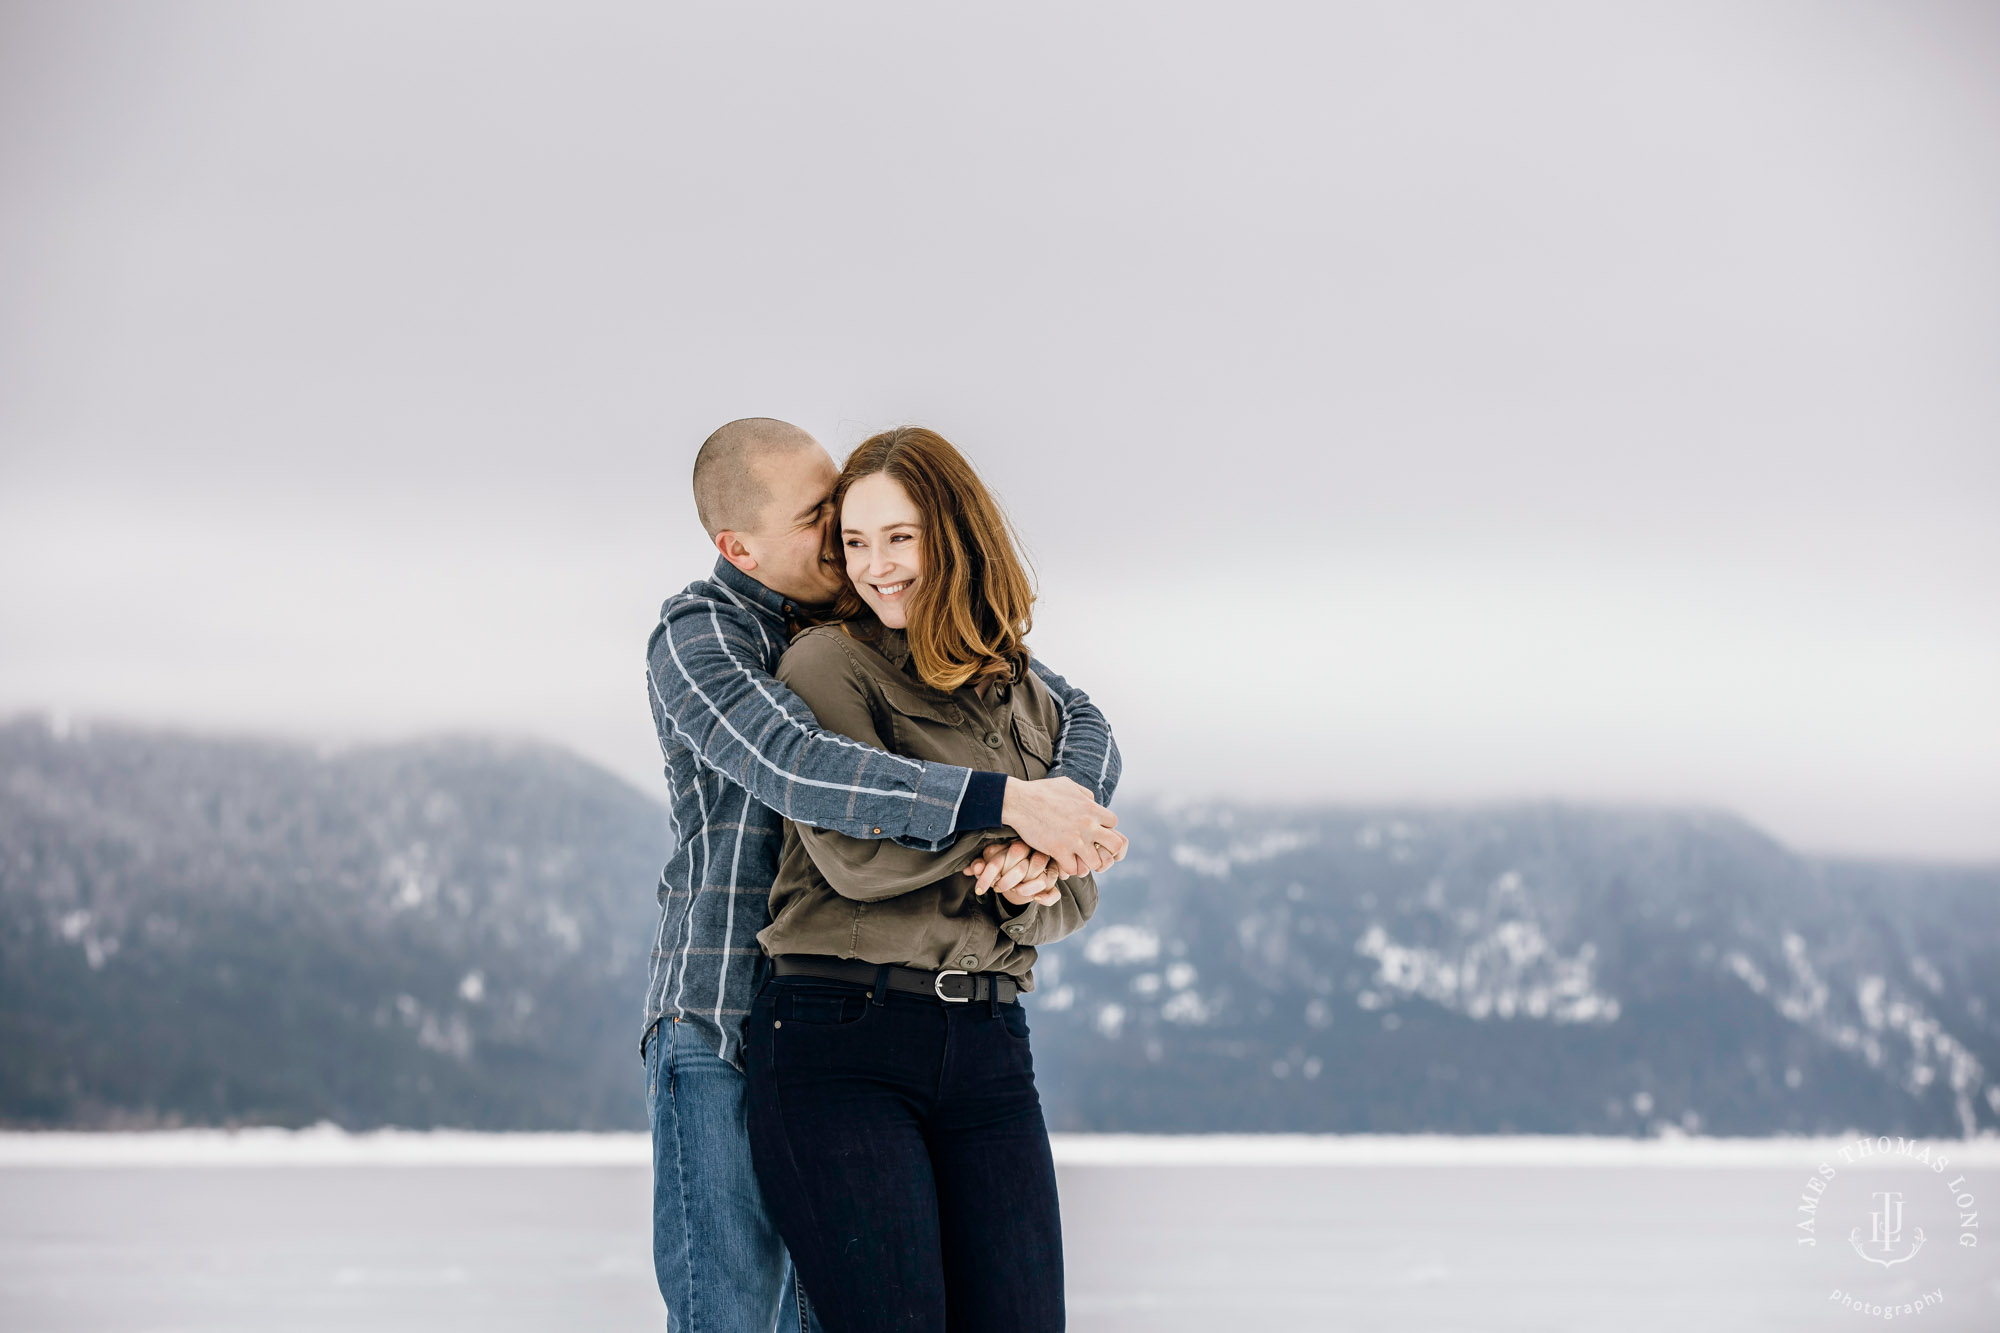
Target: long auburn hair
{"x": 970, "y": 615}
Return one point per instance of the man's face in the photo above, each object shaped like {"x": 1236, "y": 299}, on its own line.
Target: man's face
{"x": 791, "y": 534}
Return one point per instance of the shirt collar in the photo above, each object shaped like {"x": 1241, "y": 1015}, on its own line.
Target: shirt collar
{"x": 773, "y": 604}
{"x": 894, "y": 645}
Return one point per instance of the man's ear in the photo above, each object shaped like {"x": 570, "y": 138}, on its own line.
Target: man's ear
{"x": 735, "y": 552}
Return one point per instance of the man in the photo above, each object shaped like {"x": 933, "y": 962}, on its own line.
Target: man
{"x": 742, "y": 754}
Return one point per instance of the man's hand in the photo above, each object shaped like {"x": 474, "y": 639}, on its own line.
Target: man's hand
{"x": 1018, "y": 873}
{"x": 1059, "y": 817}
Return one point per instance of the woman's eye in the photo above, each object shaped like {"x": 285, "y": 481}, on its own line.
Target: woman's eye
{"x": 900, "y": 537}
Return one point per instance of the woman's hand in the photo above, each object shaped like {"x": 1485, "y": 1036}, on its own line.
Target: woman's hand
{"x": 1018, "y": 873}
{"x": 1043, "y": 889}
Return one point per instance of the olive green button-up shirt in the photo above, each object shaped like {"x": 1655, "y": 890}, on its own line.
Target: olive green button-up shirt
{"x": 882, "y": 902}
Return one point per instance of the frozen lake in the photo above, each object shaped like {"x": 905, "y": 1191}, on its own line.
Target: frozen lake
{"x": 464, "y": 1232}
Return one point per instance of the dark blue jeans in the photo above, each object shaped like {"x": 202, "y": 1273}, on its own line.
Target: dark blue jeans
{"x": 903, "y": 1156}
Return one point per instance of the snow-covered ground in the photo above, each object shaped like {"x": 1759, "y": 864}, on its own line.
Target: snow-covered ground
{"x": 398, "y": 1232}
{"x": 326, "y": 1145}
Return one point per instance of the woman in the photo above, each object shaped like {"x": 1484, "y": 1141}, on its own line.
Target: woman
{"x": 893, "y": 1116}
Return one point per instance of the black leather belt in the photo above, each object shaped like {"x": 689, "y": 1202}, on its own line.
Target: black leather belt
{"x": 951, "y": 985}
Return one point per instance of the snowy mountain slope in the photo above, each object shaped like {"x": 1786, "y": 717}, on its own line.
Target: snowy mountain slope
{"x": 206, "y": 931}
{"x": 1523, "y": 968}
{"x": 456, "y": 932}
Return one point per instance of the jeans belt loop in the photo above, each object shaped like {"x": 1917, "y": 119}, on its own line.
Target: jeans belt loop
{"x": 881, "y": 983}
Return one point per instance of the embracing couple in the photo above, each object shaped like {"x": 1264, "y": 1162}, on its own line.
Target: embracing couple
{"x": 882, "y": 804}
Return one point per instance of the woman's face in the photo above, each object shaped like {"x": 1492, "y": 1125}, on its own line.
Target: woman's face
{"x": 879, "y": 530}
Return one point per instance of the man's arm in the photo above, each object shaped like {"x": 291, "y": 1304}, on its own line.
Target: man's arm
{"x": 1085, "y": 752}
{"x": 710, "y": 691}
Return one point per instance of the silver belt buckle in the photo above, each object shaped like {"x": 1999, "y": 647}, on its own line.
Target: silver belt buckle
{"x": 937, "y": 985}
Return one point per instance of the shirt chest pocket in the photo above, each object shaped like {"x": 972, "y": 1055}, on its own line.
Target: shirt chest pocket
{"x": 924, "y": 728}
{"x": 1038, "y": 751}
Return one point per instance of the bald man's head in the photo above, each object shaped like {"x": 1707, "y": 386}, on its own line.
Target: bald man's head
{"x": 730, "y": 486}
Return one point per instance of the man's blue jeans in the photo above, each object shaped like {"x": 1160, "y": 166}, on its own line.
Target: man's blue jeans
{"x": 720, "y": 1263}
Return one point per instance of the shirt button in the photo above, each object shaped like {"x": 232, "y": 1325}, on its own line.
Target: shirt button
{"x": 878, "y": 830}
{"x": 993, "y": 739}
{"x": 1014, "y": 929}
{"x": 968, "y": 960}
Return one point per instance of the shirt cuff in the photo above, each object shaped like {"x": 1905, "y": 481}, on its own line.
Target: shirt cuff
{"x": 980, "y": 807}
{"x": 1020, "y": 922}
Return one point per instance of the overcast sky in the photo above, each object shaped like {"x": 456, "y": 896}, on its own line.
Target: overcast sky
{"x": 1401, "y": 402}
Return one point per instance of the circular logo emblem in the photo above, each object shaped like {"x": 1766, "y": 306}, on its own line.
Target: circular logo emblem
{"x": 1890, "y": 1228}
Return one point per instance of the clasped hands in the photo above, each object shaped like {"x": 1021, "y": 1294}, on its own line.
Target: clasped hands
{"x": 1055, "y": 812}
{"x": 1018, "y": 873}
